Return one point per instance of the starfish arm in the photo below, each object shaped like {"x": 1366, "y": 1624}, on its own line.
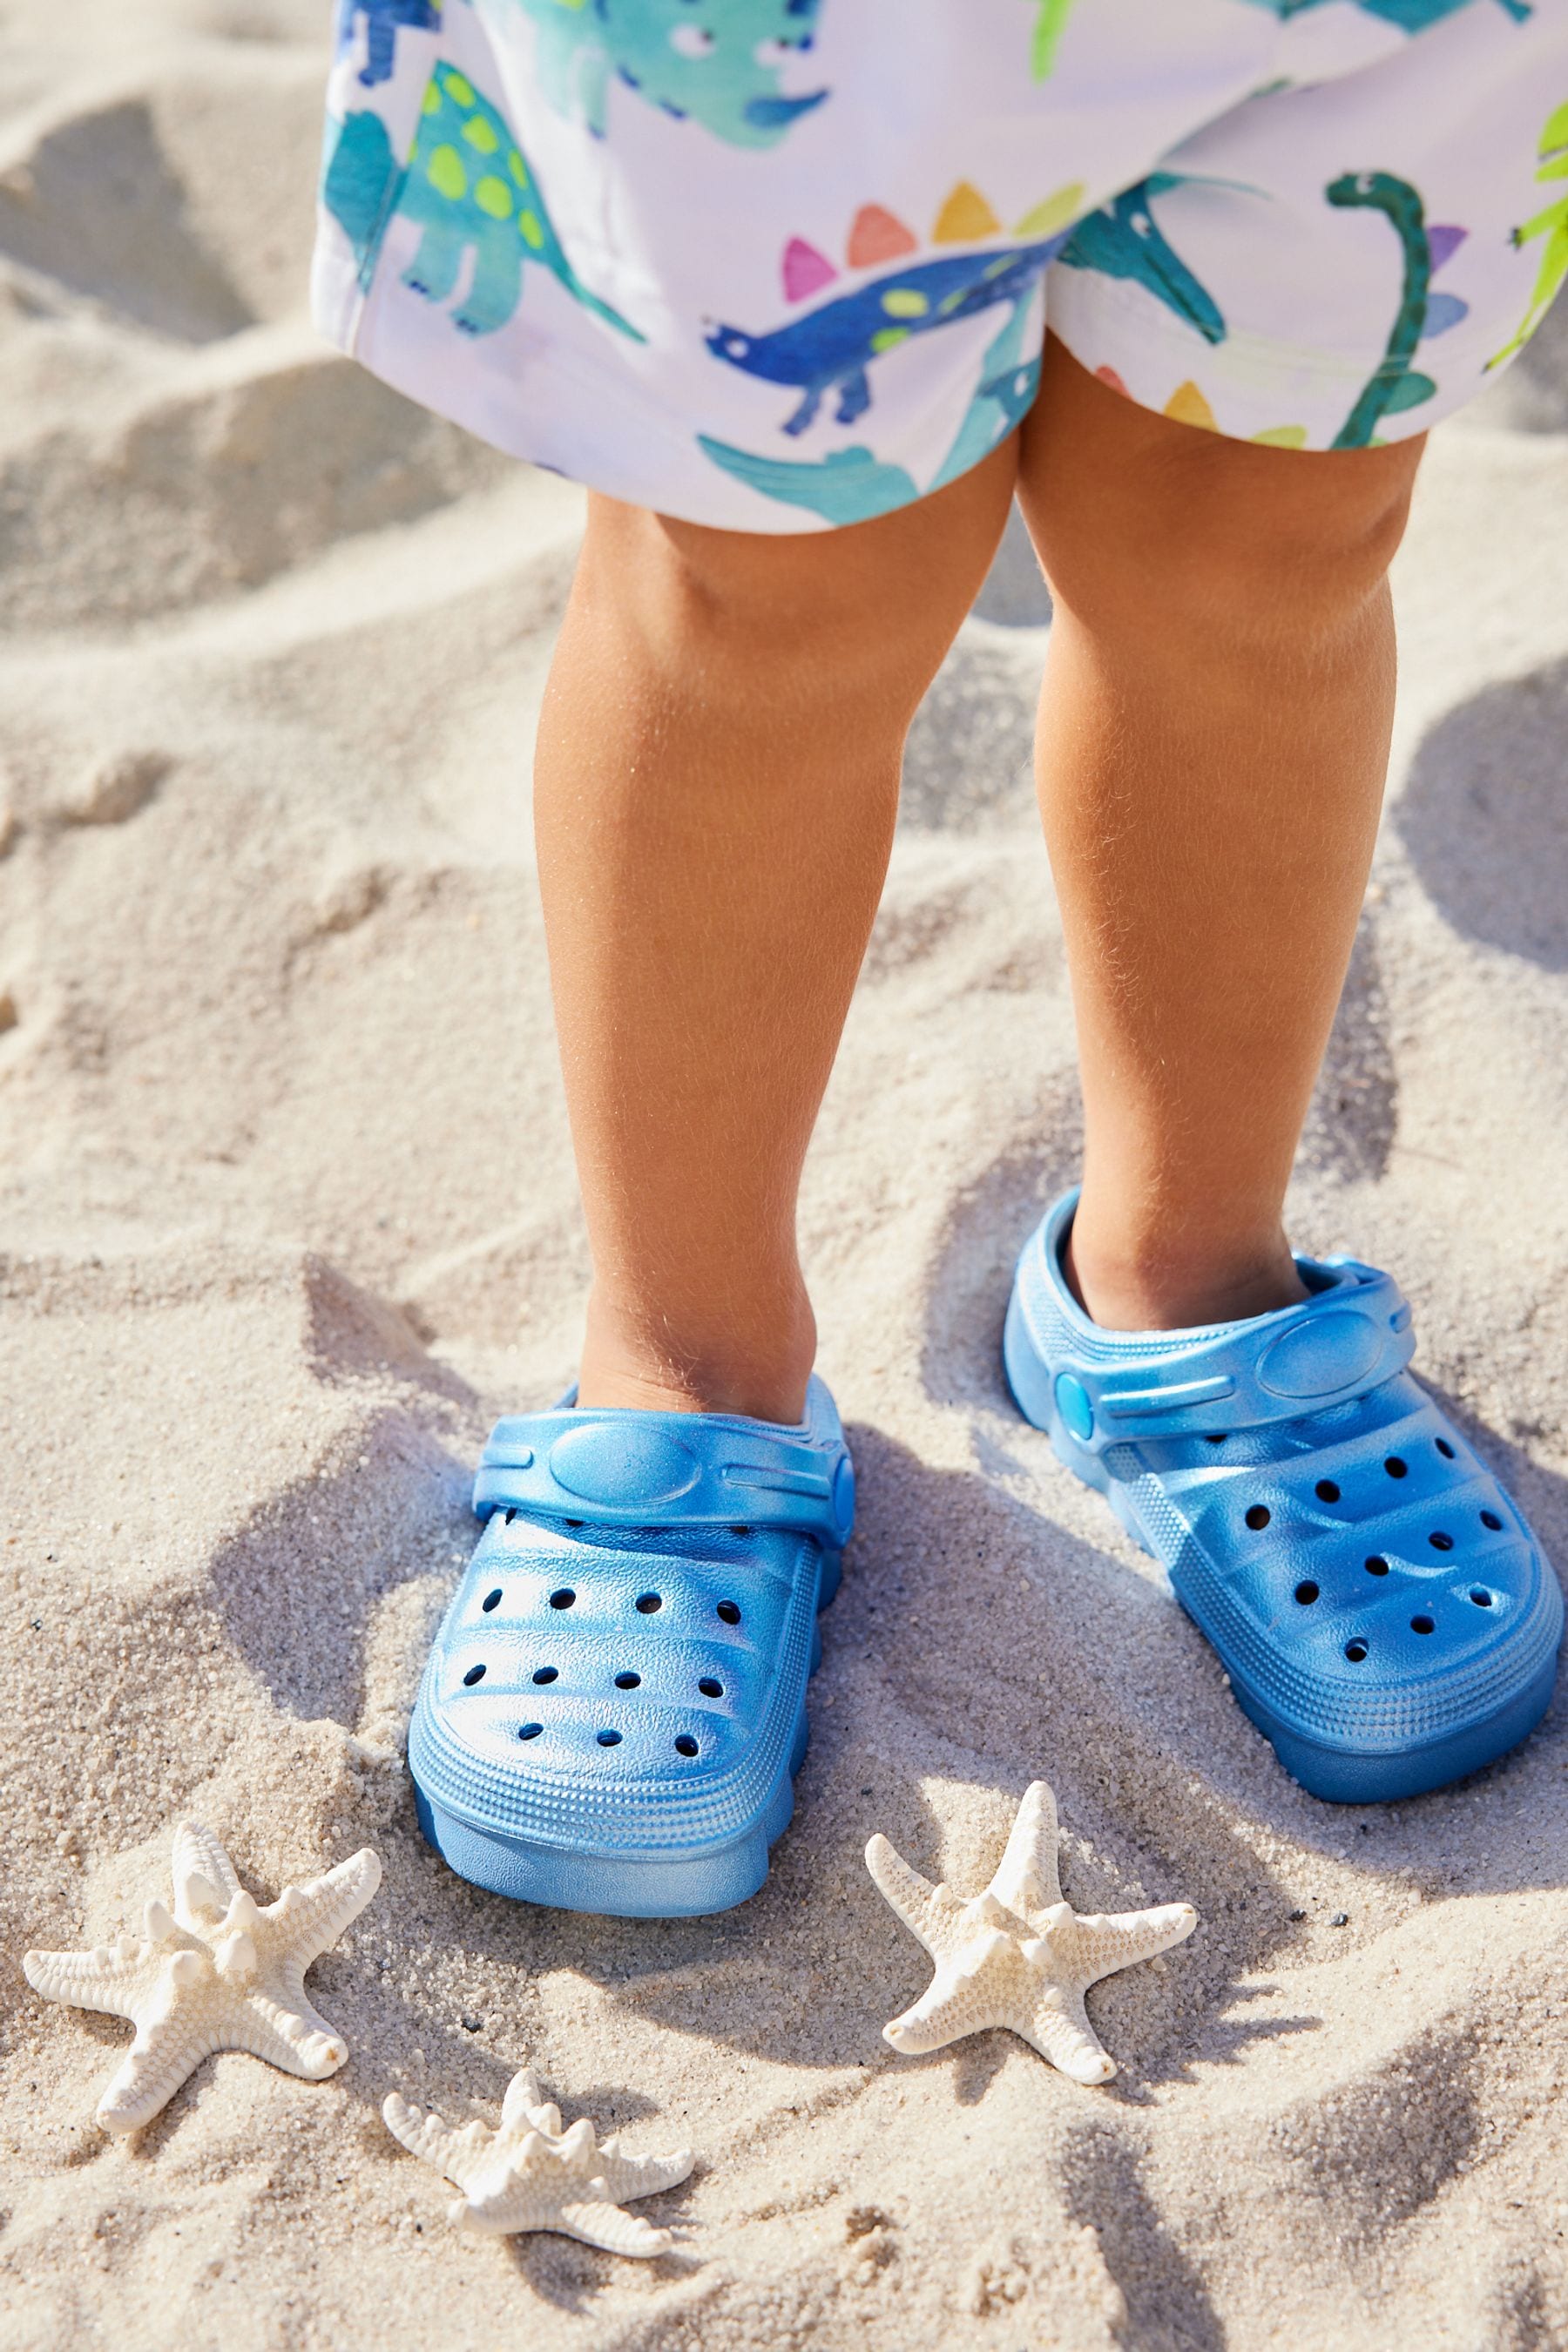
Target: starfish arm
{"x": 927, "y": 1911}
{"x": 422, "y": 2132}
{"x": 1028, "y": 1880}
{"x": 117, "y": 1983}
{"x": 597, "y": 2222}
{"x": 205, "y": 1880}
{"x": 962, "y": 1996}
{"x": 1099, "y": 1943}
{"x": 523, "y": 2099}
{"x": 166, "y": 2051}
{"x": 275, "y": 2021}
{"x": 306, "y": 1919}
{"x": 641, "y": 2176}
{"x": 1060, "y": 2030}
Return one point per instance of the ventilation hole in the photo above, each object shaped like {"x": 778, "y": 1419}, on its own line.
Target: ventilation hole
{"x": 1355, "y": 1651}
{"x": 627, "y": 1681}
{"x": 475, "y": 1675}
{"x": 1306, "y": 1591}
{"x": 608, "y": 1738}
{"x": 730, "y": 1613}
{"x": 1377, "y": 1565}
{"x": 1481, "y": 1598}
{"x": 1217, "y": 1440}
{"x": 1439, "y": 1541}
{"x": 491, "y": 1600}
{"x": 1444, "y": 1449}
{"x": 742, "y": 1530}
{"x": 650, "y": 1601}
{"x": 564, "y": 1598}
{"x": 547, "y": 1673}
{"x": 1490, "y": 1519}
{"x": 1327, "y": 1491}
{"x": 685, "y": 1745}
{"x": 710, "y": 1688}
{"x": 529, "y": 1730}
{"x": 572, "y": 1523}
{"x": 1424, "y": 1624}
{"x": 1396, "y": 1466}
{"x": 1258, "y": 1516}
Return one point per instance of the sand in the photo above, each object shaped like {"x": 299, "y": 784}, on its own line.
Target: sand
{"x": 288, "y": 1214}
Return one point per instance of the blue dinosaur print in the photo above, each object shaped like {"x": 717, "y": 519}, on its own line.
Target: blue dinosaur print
{"x": 717, "y": 64}
{"x": 1123, "y": 241}
{"x": 383, "y": 21}
{"x": 831, "y": 348}
{"x": 472, "y": 193}
{"x": 1410, "y": 15}
{"x": 854, "y": 486}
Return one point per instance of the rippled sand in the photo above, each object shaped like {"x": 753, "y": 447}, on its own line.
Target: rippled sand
{"x": 287, "y": 1214}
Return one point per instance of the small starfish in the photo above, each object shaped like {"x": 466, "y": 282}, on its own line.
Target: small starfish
{"x": 1018, "y": 1955}
{"x": 219, "y": 1972}
{"x": 531, "y": 2174}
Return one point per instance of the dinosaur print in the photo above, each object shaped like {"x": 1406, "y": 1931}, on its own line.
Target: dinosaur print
{"x": 853, "y": 485}
{"x": 472, "y": 193}
{"x": 831, "y": 348}
{"x": 1123, "y": 241}
{"x": 715, "y": 61}
{"x": 1410, "y": 15}
{"x": 1394, "y": 384}
{"x": 1552, "y": 224}
{"x": 384, "y": 19}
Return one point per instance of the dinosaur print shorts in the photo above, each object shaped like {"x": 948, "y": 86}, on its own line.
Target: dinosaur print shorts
{"x": 777, "y": 264}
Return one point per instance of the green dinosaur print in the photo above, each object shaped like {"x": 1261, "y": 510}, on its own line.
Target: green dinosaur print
{"x": 473, "y": 196}
{"x": 1050, "y": 20}
{"x": 1552, "y": 224}
{"x": 718, "y": 64}
{"x": 1394, "y": 384}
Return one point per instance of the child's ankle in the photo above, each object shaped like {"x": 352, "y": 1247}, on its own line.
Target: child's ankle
{"x": 1150, "y": 1290}
{"x": 766, "y": 1382}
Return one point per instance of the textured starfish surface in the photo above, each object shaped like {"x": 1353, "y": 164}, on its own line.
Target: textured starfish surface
{"x": 1018, "y": 1955}
{"x": 218, "y": 1972}
{"x": 532, "y": 2175}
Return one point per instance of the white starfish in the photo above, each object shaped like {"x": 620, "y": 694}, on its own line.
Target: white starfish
{"x": 220, "y": 1972}
{"x": 1018, "y": 1955}
{"x": 531, "y": 2174}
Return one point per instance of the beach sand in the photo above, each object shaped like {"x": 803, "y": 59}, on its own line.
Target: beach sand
{"x": 288, "y": 1214}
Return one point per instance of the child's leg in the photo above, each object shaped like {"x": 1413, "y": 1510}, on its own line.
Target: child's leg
{"x": 1213, "y": 737}
{"x": 716, "y": 785}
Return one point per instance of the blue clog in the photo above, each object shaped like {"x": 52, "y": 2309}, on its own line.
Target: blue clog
{"x": 1385, "y": 1615}
{"x": 615, "y": 1706}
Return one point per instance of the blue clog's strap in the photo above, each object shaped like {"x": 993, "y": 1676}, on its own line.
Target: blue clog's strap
{"x": 665, "y": 1469}
{"x": 1345, "y": 1340}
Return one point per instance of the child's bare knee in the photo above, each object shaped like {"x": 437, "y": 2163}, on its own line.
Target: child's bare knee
{"x": 1264, "y": 540}
{"x": 1240, "y": 543}
{"x": 871, "y": 607}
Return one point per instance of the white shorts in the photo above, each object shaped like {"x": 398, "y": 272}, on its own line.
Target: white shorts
{"x": 776, "y": 265}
